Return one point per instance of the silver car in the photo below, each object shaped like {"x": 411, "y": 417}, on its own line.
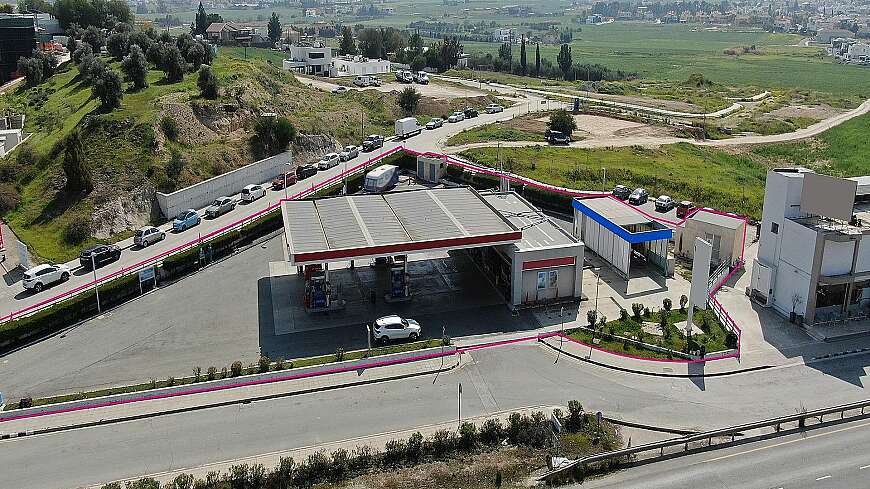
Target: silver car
{"x": 456, "y": 116}
{"x": 349, "y": 153}
{"x": 435, "y": 123}
{"x": 221, "y": 205}
{"x": 328, "y": 161}
{"x": 148, "y": 236}
{"x": 394, "y": 327}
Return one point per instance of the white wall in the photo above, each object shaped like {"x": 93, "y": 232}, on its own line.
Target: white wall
{"x": 201, "y": 194}
{"x": 604, "y": 243}
{"x": 790, "y": 281}
{"x": 837, "y": 257}
{"x": 798, "y": 245}
{"x": 863, "y": 264}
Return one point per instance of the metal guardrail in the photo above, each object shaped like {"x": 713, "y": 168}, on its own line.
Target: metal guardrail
{"x": 732, "y": 431}
{"x": 204, "y": 239}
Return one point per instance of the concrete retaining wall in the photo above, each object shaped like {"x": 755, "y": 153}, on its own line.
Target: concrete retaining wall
{"x": 312, "y": 371}
{"x": 202, "y": 194}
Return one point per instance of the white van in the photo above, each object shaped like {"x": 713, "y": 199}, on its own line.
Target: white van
{"x": 362, "y": 81}
{"x": 381, "y": 179}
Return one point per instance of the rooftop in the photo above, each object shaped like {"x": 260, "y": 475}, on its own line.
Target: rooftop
{"x": 718, "y": 219}
{"x": 539, "y": 231}
{"x": 368, "y": 225}
{"x": 616, "y": 211}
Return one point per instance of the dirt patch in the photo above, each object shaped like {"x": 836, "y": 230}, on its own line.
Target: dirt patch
{"x": 598, "y": 127}
{"x": 819, "y": 112}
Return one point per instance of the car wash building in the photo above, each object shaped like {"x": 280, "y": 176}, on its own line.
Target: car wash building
{"x": 622, "y": 234}
{"x": 534, "y": 258}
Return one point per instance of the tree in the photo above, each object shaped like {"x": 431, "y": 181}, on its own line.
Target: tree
{"x": 450, "y": 51}
{"x": 7, "y": 8}
{"x": 504, "y": 53}
{"x": 207, "y": 83}
{"x": 140, "y": 38}
{"x": 207, "y": 55}
{"x": 31, "y": 68}
{"x": 418, "y": 63}
{"x": 108, "y": 88}
{"x": 415, "y": 45}
{"x": 78, "y": 174}
{"x": 156, "y": 55}
{"x": 564, "y": 60}
{"x": 409, "y": 98}
{"x": 537, "y": 60}
{"x": 81, "y": 52}
{"x": 135, "y": 67}
{"x": 116, "y": 45}
{"x": 272, "y": 136}
{"x": 95, "y": 38}
{"x": 184, "y": 42}
{"x": 195, "y": 55}
{"x": 201, "y": 22}
{"x": 523, "y": 54}
{"x": 274, "y": 28}
{"x": 683, "y": 301}
{"x": 48, "y": 62}
{"x": 99, "y": 13}
{"x": 562, "y": 121}
{"x": 173, "y": 64}
{"x": 371, "y": 43}
{"x": 347, "y": 45}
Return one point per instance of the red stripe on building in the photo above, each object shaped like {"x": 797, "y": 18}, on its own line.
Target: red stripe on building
{"x": 402, "y": 248}
{"x": 548, "y": 263}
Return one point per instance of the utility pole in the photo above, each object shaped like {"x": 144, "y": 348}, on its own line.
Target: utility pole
{"x": 460, "y": 404}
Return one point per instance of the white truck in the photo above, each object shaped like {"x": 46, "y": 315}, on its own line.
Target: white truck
{"x": 407, "y": 127}
{"x": 421, "y": 77}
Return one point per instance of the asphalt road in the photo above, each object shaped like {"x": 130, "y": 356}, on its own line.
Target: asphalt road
{"x": 500, "y": 379}
{"x": 14, "y": 298}
{"x": 833, "y": 457}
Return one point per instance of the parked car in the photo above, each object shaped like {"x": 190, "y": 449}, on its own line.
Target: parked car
{"x": 638, "y": 196}
{"x": 349, "y": 153}
{"x": 373, "y": 142}
{"x": 339, "y": 89}
{"x": 494, "y": 108}
{"x": 394, "y": 327}
{"x": 99, "y": 255}
{"x": 328, "y": 161}
{"x": 435, "y": 123}
{"x": 421, "y": 77}
{"x": 305, "y": 171}
{"x": 148, "y": 236}
{"x": 470, "y": 112}
{"x": 41, "y": 276}
{"x": 556, "y": 137}
{"x": 220, "y": 206}
{"x": 664, "y": 203}
{"x": 285, "y": 179}
{"x": 621, "y": 192}
{"x": 684, "y": 207}
{"x": 456, "y": 117}
{"x": 186, "y": 220}
{"x": 362, "y": 81}
{"x": 252, "y": 192}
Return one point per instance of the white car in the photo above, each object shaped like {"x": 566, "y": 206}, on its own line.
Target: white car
{"x": 494, "y": 108}
{"x": 394, "y": 327}
{"x": 456, "y": 117}
{"x": 435, "y": 123}
{"x": 339, "y": 89}
{"x": 349, "y": 153}
{"x": 328, "y": 161}
{"x": 252, "y": 192}
{"x": 40, "y": 276}
{"x": 148, "y": 236}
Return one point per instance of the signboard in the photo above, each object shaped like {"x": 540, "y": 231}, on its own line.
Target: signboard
{"x": 23, "y": 256}
{"x": 701, "y": 273}
{"x": 828, "y": 196}
{"x": 147, "y": 274}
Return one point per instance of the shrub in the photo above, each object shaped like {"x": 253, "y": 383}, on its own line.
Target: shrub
{"x": 467, "y": 436}
{"x": 414, "y": 448}
{"x": 223, "y": 372}
{"x": 211, "y": 373}
{"x": 636, "y": 310}
{"x": 264, "y": 364}
{"x": 602, "y": 321}
{"x": 574, "y": 421}
{"x": 683, "y": 301}
{"x": 363, "y": 459}
{"x": 591, "y": 317}
{"x": 9, "y": 197}
{"x": 667, "y": 304}
{"x": 77, "y": 230}
{"x": 646, "y": 312}
{"x": 279, "y": 363}
{"x": 339, "y": 354}
{"x": 197, "y": 374}
{"x": 207, "y": 83}
{"x": 236, "y": 368}
{"x": 623, "y": 315}
{"x": 183, "y": 481}
{"x": 491, "y": 432}
{"x": 441, "y": 443}
{"x": 445, "y": 340}
{"x": 394, "y": 453}
{"x": 340, "y": 465}
{"x": 170, "y": 381}
{"x": 169, "y": 128}
{"x": 25, "y": 402}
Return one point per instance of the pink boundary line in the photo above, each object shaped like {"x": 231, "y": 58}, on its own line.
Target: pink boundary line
{"x": 194, "y": 242}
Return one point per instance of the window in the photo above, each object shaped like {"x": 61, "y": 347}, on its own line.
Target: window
{"x": 553, "y": 279}
{"x": 542, "y": 280}
{"x": 547, "y": 279}
{"x": 316, "y": 55}
{"x": 774, "y": 228}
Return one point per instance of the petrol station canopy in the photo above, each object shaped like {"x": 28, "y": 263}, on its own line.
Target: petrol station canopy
{"x": 396, "y": 223}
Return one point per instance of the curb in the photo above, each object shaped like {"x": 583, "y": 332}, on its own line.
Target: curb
{"x": 654, "y": 374}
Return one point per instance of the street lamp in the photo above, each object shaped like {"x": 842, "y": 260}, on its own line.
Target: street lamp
{"x": 285, "y": 180}
{"x": 604, "y": 179}
{"x": 460, "y": 404}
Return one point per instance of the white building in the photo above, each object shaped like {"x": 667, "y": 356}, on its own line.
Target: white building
{"x": 858, "y": 53}
{"x": 811, "y": 264}
{"x": 309, "y": 59}
{"x": 358, "y": 65}
{"x": 502, "y": 35}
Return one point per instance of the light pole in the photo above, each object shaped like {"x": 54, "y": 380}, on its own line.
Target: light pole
{"x": 285, "y": 180}
{"x": 96, "y": 284}
{"x": 459, "y": 405}
{"x": 597, "y": 283}
{"x": 604, "y": 179}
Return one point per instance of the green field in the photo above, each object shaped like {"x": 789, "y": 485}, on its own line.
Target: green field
{"x": 496, "y": 131}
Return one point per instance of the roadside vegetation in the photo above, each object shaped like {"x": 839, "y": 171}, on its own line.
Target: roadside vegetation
{"x": 638, "y": 331}
{"x": 494, "y": 453}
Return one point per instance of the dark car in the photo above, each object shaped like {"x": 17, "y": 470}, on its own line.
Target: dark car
{"x": 99, "y": 255}
{"x": 684, "y": 207}
{"x": 556, "y": 137}
{"x": 621, "y": 192}
{"x": 470, "y": 112}
{"x": 372, "y": 142}
{"x": 305, "y": 171}
{"x": 638, "y": 197}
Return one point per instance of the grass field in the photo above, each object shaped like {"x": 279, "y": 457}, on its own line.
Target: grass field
{"x": 496, "y": 131}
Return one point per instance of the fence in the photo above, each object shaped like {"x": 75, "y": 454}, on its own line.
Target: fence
{"x": 158, "y": 258}
{"x": 708, "y": 436}
{"x": 230, "y": 183}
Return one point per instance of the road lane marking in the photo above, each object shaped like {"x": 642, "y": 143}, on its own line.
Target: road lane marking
{"x": 862, "y": 425}
{"x": 864, "y": 467}
{"x": 823, "y": 477}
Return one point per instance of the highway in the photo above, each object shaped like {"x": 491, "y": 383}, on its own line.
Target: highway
{"x": 13, "y": 298}
{"x": 502, "y": 378}
{"x": 834, "y": 457}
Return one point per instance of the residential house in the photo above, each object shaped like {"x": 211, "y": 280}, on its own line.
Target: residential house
{"x": 225, "y": 32}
